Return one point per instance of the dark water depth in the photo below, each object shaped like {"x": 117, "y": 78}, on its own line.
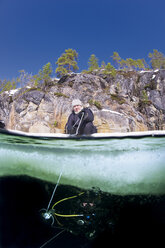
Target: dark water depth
{"x": 109, "y": 220}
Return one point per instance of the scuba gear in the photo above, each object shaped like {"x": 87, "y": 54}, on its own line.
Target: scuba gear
{"x": 81, "y": 214}
{"x": 85, "y": 214}
{"x": 51, "y": 214}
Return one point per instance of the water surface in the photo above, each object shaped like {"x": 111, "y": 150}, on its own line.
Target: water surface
{"x": 118, "y": 166}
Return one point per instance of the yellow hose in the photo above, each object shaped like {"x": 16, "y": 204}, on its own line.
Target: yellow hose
{"x": 67, "y": 198}
{"x": 68, "y": 215}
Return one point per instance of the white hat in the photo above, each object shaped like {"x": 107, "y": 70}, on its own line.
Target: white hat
{"x": 76, "y": 102}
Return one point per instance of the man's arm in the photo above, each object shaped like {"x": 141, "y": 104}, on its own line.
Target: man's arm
{"x": 88, "y": 115}
{"x": 69, "y": 124}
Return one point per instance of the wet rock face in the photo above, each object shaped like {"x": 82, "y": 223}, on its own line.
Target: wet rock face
{"x": 130, "y": 101}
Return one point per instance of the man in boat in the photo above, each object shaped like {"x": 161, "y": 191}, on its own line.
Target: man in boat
{"x": 80, "y": 120}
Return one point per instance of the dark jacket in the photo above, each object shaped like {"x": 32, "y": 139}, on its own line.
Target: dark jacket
{"x": 2, "y": 124}
{"x": 81, "y": 123}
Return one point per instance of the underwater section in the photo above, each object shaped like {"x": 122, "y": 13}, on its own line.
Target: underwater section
{"x": 115, "y": 166}
{"x": 75, "y": 217}
{"x": 81, "y": 193}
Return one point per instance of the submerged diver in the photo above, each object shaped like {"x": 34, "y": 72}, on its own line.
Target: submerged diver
{"x": 80, "y": 120}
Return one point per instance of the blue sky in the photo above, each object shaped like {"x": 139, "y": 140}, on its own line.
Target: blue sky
{"x": 35, "y": 32}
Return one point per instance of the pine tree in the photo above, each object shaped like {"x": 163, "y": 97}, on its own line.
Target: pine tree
{"x": 116, "y": 58}
{"x": 67, "y": 63}
{"x": 46, "y": 71}
{"x": 141, "y": 63}
{"x": 123, "y": 64}
{"x": 103, "y": 65}
{"x": 130, "y": 63}
{"x": 23, "y": 78}
{"x": 157, "y": 59}
{"x": 43, "y": 74}
{"x": 7, "y": 85}
{"x": 109, "y": 68}
{"x": 93, "y": 63}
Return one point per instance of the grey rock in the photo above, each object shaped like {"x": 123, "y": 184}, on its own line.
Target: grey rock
{"x": 34, "y": 96}
{"x": 130, "y": 101}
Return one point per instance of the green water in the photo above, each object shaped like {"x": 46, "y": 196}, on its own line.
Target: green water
{"x": 126, "y": 166}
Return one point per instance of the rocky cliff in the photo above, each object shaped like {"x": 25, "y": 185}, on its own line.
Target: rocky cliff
{"x": 128, "y": 101}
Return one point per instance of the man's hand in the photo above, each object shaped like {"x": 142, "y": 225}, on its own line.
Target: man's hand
{"x": 82, "y": 112}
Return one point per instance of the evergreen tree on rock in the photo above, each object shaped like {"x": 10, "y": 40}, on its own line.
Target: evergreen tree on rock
{"x": 157, "y": 59}
{"x": 93, "y": 63}
{"x": 67, "y": 63}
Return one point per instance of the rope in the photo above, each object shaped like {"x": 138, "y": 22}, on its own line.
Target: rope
{"x": 54, "y": 191}
{"x": 51, "y": 239}
{"x": 79, "y": 123}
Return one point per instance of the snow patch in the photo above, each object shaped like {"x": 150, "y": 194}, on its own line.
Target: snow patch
{"x": 111, "y": 111}
{"x": 12, "y": 92}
